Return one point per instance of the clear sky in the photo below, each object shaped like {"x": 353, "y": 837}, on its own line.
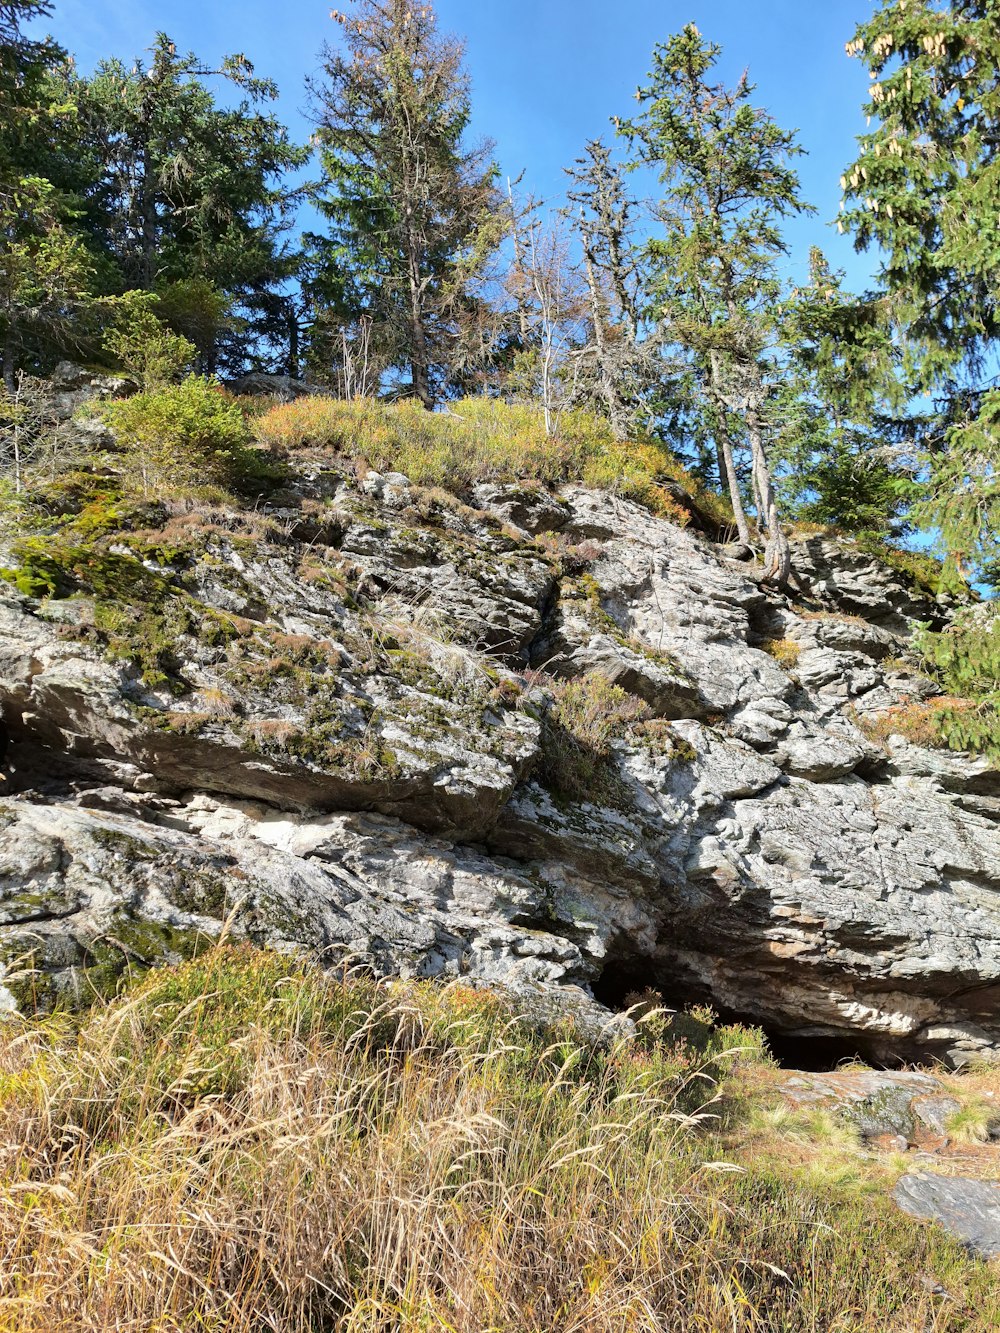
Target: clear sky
{"x": 548, "y": 74}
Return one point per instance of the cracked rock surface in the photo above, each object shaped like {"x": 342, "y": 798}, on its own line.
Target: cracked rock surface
{"x": 352, "y": 761}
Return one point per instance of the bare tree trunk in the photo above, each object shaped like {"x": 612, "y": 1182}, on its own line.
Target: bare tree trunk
{"x": 724, "y": 445}
{"x": 293, "y": 345}
{"x": 618, "y": 413}
{"x": 9, "y": 349}
{"x": 520, "y": 267}
{"x": 777, "y": 553}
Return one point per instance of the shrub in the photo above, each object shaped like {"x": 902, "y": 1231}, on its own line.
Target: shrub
{"x": 181, "y": 435}
{"x": 786, "y": 652}
{"x": 143, "y": 346}
{"x": 965, "y": 661}
{"x": 946, "y": 723}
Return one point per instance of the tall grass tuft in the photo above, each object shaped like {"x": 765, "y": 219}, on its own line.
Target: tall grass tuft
{"x": 245, "y": 1144}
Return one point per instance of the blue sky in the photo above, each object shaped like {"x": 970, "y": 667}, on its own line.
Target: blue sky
{"x": 548, "y": 74}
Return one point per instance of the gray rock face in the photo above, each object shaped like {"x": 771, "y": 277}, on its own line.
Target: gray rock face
{"x": 350, "y": 745}
{"x": 969, "y": 1210}
{"x": 282, "y": 388}
{"x": 904, "y": 1106}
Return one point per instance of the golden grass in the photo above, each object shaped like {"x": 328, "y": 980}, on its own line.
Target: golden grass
{"x": 481, "y": 439}
{"x": 920, "y": 721}
{"x": 244, "y": 1144}
{"x": 786, "y": 652}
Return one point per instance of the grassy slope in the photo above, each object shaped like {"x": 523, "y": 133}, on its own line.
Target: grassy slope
{"x": 247, "y": 1144}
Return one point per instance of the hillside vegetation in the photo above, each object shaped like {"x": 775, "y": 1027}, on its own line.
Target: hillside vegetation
{"x": 246, "y": 1143}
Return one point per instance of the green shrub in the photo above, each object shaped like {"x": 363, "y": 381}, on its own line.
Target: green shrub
{"x": 181, "y": 436}
{"x": 143, "y": 346}
{"x": 965, "y": 661}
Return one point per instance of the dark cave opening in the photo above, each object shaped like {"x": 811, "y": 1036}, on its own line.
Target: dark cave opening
{"x": 624, "y": 979}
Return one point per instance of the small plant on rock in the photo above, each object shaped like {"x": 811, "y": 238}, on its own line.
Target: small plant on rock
{"x": 180, "y": 436}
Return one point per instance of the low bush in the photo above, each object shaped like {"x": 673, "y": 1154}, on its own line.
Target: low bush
{"x": 183, "y": 436}
{"x": 964, "y": 660}
{"x": 786, "y": 652}
{"x": 945, "y": 723}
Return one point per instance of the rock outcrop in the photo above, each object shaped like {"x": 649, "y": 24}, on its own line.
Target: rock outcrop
{"x": 333, "y": 735}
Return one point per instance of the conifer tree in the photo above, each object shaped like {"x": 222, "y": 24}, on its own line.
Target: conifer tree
{"x": 836, "y": 407}
{"x": 728, "y": 185}
{"x": 189, "y": 198}
{"x": 45, "y": 272}
{"x": 618, "y": 365}
{"x": 925, "y": 189}
{"x": 413, "y": 212}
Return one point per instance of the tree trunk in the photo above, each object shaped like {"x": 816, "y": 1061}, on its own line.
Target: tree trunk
{"x": 148, "y": 217}
{"x": 725, "y": 447}
{"x": 777, "y": 553}
{"x": 9, "y": 348}
{"x": 293, "y": 345}
{"x": 520, "y": 269}
{"x": 419, "y": 354}
{"x": 618, "y": 413}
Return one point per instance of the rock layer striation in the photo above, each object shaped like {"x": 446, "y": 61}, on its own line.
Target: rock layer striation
{"x": 347, "y": 752}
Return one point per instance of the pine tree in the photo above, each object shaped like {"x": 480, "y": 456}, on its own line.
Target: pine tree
{"x": 925, "y": 189}
{"x": 725, "y": 166}
{"x": 413, "y": 213}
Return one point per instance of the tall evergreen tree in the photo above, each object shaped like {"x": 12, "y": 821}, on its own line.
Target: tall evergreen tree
{"x": 728, "y": 185}
{"x": 835, "y": 410}
{"x": 925, "y": 189}
{"x": 413, "y": 212}
{"x": 189, "y": 198}
{"x": 45, "y": 272}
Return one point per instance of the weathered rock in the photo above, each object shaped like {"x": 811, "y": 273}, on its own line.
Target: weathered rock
{"x": 87, "y": 892}
{"x": 968, "y": 1209}
{"x": 839, "y": 574}
{"x": 283, "y": 388}
{"x": 345, "y": 727}
{"x": 72, "y": 387}
{"x": 908, "y": 1106}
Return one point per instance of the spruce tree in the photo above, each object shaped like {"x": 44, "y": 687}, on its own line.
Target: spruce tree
{"x": 45, "y": 271}
{"x": 188, "y": 198}
{"x": 836, "y": 408}
{"x": 413, "y": 212}
{"x": 925, "y": 190}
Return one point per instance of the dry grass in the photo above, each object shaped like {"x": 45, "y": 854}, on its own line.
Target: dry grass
{"x": 919, "y": 722}
{"x": 246, "y": 1145}
{"x": 480, "y": 439}
{"x": 786, "y": 652}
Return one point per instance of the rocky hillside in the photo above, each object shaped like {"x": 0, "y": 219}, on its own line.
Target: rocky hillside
{"x": 538, "y": 738}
